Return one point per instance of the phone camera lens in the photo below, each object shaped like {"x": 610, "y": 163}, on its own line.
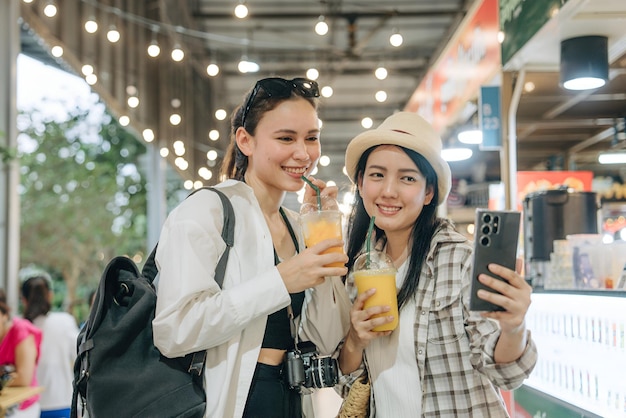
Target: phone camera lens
{"x": 486, "y": 229}
{"x": 484, "y": 241}
{"x": 486, "y": 218}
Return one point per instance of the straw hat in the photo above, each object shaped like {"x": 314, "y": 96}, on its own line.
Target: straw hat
{"x": 408, "y": 130}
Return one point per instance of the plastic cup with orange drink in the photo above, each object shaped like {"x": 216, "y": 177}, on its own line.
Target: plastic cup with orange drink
{"x": 318, "y": 225}
{"x": 375, "y": 269}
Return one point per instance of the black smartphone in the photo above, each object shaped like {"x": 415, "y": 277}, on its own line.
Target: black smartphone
{"x": 495, "y": 241}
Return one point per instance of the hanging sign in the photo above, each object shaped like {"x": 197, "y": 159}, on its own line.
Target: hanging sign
{"x": 489, "y": 117}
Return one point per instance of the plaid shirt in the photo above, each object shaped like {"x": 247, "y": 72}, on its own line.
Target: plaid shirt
{"x": 454, "y": 347}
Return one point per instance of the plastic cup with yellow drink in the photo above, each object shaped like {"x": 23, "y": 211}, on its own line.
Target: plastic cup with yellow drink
{"x": 374, "y": 269}
{"x": 320, "y": 224}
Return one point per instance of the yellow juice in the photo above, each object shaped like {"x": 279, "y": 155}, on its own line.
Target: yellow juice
{"x": 385, "y": 283}
{"x": 318, "y": 226}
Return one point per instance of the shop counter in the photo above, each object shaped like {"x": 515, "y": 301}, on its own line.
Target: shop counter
{"x": 580, "y": 336}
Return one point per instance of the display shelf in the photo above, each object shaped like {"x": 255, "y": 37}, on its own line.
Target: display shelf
{"x": 580, "y": 337}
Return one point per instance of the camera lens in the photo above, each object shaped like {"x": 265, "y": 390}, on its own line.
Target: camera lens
{"x": 486, "y": 218}
{"x": 324, "y": 372}
{"x": 484, "y": 241}
{"x": 486, "y": 229}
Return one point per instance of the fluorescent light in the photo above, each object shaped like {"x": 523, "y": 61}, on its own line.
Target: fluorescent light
{"x": 471, "y": 136}
{"x": 612, "y": 158}
{"x": 456, "y": 154}
{"x": 584, "y": 83}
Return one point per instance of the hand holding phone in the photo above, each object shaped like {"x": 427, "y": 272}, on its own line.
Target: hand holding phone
{"x": 495, "y": 241}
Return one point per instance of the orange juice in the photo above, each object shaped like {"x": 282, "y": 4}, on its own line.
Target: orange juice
{"x": 320, "y": 225}
{"x": 384, "y": 281}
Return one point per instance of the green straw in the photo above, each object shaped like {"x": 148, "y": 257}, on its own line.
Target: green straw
{"x": 368, "y": 241}
{"x": 317, "y": 192}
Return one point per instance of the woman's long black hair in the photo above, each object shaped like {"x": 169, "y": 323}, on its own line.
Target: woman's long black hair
{"x": 421, "y": 235}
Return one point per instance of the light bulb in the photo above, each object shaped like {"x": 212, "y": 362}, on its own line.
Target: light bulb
{"x": 321, "y": 27}
{"x": 113, "y": 35}
{"x": 153, "y": 49}
{"x": 381, "y": 73}
{"x": 396, "y": 39}
{"x": 50, "y": 9}
{"x": 312, "y": 74}
{"x": 177, "y": 53}
{"x": 212, "y": 69}
{"x": 241, "y": 11}
{"x": 91, "y": 26}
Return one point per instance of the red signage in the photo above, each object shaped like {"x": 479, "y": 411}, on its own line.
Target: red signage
{"x": 470, "y": 60}
{"x": 534, "y": 181}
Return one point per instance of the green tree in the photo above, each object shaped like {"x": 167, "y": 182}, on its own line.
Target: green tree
{"x": 83, "y": 197}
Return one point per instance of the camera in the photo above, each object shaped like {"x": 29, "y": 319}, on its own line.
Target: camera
{"x": 305, "y": 368}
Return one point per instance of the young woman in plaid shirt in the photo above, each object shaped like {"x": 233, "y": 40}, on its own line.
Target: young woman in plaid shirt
{"x": 442, "y": 360}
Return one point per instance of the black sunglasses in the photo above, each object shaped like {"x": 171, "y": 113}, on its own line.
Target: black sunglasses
{"x": 280, "y": 88}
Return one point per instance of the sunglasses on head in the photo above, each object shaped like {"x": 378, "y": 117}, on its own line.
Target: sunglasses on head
{"x": 280, "y": 88}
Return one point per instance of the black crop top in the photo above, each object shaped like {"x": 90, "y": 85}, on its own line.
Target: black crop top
{"x": 278, "y": 328}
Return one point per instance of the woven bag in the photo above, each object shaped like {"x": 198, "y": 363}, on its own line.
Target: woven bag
{"x": 357, "y": 403}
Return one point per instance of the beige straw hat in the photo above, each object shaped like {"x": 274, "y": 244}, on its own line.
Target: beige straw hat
{"x": 408, "y": 130}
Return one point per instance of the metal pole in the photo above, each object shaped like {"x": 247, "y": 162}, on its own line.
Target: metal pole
{"x": 9, "y": 167}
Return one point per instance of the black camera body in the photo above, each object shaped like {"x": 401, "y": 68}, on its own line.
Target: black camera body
{"x": 305, "y": 368}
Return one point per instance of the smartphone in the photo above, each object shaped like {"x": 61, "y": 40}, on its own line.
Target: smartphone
{"x": 495, "y": 241}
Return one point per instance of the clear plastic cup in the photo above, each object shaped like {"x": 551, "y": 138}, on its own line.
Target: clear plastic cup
{"x": 318, "y": 225}
{"x": 378, "y": 272}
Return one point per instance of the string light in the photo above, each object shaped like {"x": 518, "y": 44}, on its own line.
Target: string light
{"x": 381, "y": 73}
{"x": 57, "y": 51}
{"x": 154, "y": 49}
{"x": 148, "y": 135}
{"x": 246, "y": 66}
{"x": 214, "y": 134}
{"x": 211, "y": 155}
{"x": 91, "y": 79}
{"x": 113, "y": 35}
{"x": 396, "y": 39}
{"x": 133, "y": 102}
{"x": 177, "y": 53}
{"x": 175, "y": 119}
{"x": 91, "y": 26}
{"x": 50, "y": 9}
{"x": 220, "y": 114}
{"x": 321, "y": 27}
{"x": 312, "y": 74}
{"x": 367, "y": 122}
{"x": 241, "y": 10}
{"x": 212, "y": 69}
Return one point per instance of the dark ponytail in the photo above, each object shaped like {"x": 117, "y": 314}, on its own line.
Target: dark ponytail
{"x": 35, "y": 291}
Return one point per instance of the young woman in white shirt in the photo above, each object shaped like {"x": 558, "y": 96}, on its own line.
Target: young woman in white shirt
{"x": 245, "y": 325}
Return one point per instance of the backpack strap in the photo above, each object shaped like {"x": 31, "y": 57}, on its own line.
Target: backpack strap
{"x": 150, "y": 270}
{"x": 198, "y": 359}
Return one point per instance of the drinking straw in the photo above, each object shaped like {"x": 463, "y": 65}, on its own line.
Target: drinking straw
{"x": 317, "y": 192}
{"x": 368, "y": 241}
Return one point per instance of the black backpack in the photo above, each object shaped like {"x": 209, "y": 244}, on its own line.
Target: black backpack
{"x": 118, "y": 371}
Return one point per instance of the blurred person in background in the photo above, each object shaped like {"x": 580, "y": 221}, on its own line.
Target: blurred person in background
{"x": 20, "y": 343}
{"x": 58, "y": 346}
